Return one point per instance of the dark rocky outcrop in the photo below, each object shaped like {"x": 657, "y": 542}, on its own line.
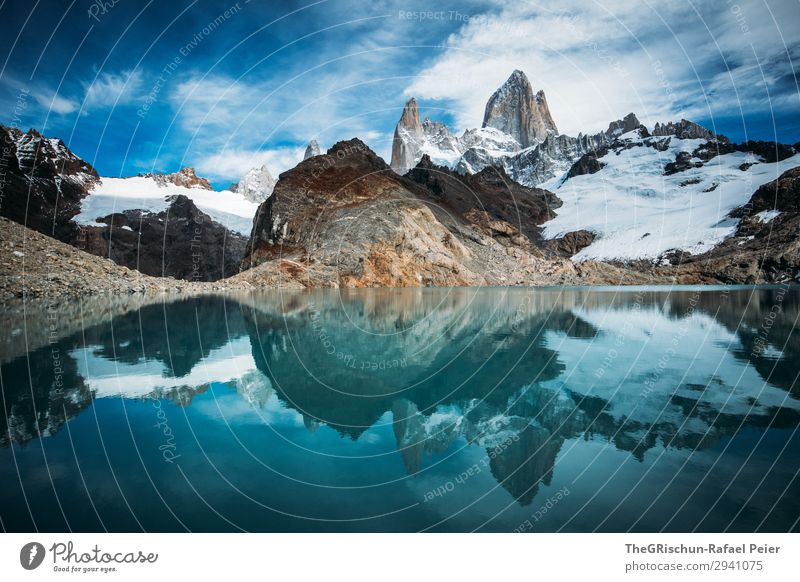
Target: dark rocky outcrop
{"x": 42, "y": 182}
{"x": 683, "y": 161}
{"x": 180, "y": 242}
{"x": 683, "y": 129}
{"x": 490, "y": 191}
{"x": 588, "y": 163}
{"x": 768, "y": 151}
{"x": 624, "y": 125}
{"x": 570, "y": 244}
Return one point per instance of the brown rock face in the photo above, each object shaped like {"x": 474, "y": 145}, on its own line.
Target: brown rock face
{"x": 345, "y": 219}
{"x": 490, "y": 192}
{"x": 186, "y": 177}
{"x": 515, "y": 110}
{"x": 571, "y": 243}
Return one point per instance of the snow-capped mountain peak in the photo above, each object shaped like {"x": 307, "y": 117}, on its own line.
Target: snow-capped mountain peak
{"x": 408, "y": 139}
{"x": 185, "y": 178}
{"x": 256, "y": 185}
{"x": 312, "y": 150}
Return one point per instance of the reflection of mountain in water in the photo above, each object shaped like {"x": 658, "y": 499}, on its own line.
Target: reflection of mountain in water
{"x": 516, "y": 372}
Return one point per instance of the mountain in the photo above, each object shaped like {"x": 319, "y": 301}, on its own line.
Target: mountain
{"x": 651, "y": 197}
{"x": 345, "y": 219}
{"x": 764, "y": 245}
{"x": 629, "y": 194}
{"x": 518, "y": 134}
{"x": 256, "y": 185}
{"x": 516, "y": 111}
{"x": 408, "y": 138}
{"x": 626, "y": 205}
{"x": 170, "y": 225}
{"x": 180, "y": 241}
{"x": 312, "y": 150}
{"x": 43, "y": 182}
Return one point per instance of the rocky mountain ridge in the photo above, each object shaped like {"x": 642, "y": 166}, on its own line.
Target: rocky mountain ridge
{"x": 172, "y": 225}
{"x": 518, "y": 134}
{"x": 345, "y": 219}
{"x": 626, "y": 205}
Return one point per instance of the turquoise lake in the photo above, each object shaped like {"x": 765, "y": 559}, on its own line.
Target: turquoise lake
{"x": 468, "y": 409}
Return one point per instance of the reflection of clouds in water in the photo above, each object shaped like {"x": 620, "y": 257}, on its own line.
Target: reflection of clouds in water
{"x": 502, "y": 379}
{"x": 231, "y": 407}
{"x": 106, "y": 377}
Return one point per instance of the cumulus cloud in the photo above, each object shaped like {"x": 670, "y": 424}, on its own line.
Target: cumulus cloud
{"x": 232, "y": 164}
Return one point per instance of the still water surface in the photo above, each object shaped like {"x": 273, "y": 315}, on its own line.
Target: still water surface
{"x": 500, "y": 409}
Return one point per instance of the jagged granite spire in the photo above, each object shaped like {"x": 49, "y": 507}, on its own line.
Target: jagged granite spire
{"x": 408, "y": 136}
{"x": 312, "y": 150}
{"x": 515, "y": 110}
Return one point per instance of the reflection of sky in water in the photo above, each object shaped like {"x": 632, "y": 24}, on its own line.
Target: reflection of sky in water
{"x": 650, "y": 410}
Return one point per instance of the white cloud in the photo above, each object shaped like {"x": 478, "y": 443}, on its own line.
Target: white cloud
{"x": 55, "y": 103}
{"x": 230, "y": 121}
{"x": 233, "y": 164}
{"x": 112, "y": 89}
{"x": 600, "y": 60}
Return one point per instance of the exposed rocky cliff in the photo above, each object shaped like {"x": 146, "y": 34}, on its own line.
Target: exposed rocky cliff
{"x": 42, "y": 182}
{"x": 180, "y": 242}
{"x": 516, "y": 111}
{"x": 345, "y": 219}
{"x": 408, "y": 138}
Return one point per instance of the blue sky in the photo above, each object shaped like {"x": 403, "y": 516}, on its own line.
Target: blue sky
{"x": 224, "y": 86}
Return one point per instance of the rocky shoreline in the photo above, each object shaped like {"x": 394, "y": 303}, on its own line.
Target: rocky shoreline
{"x": 33, "y": 265}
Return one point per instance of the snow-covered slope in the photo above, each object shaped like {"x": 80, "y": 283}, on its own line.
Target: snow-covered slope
{"x": 638, "y": 212}
{"x": 231, "y": 209}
